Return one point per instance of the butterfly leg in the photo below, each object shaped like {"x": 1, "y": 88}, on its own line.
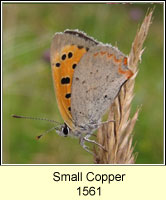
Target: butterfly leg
{"x": 102, "y": 123}
{"x": 82, "y": 143}
{"x": 94, "y": 142}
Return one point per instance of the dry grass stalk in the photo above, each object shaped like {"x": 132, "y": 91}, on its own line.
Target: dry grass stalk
{"x": 117, "y": 136}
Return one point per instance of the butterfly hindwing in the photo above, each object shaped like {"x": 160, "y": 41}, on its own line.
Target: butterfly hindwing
{"x": 97, "y": 79}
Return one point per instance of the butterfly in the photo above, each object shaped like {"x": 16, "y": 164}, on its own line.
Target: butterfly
{"x": 87, "y": 77}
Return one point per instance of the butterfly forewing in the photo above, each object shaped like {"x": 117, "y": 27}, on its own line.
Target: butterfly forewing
{"x": 67, "y": 49}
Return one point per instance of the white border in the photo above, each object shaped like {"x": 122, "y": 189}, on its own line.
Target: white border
{"x": 19, "y": 2}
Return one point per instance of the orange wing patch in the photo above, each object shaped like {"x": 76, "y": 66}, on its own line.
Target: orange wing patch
{"x": 128, "y": 73}
{"x": 63, "y": 65}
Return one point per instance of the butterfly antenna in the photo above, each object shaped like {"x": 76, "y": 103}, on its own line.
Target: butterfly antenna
{"x": 51, "y": 129}
{"x": 35, "y": 118}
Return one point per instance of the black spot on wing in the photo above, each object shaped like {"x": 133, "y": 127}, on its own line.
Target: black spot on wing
{"x": 57, "y": 64}
{"x": 74, "y": 66}
{"x": 65, "y": 80}
{"x": 70, "y": 54}
{"x": 68, "y": 95}
{"x": 63, "y": 57}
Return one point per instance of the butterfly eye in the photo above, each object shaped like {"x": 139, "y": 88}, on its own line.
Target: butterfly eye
{"x": 65, "y": 130}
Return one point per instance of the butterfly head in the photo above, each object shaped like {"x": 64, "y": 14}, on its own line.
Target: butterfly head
{"x": 64, "y": 130}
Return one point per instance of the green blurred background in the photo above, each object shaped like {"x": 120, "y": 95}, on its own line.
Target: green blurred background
{"x": 27, "y": 80}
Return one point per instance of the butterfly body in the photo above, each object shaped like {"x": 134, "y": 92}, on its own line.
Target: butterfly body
{"x": 87, "y": 77}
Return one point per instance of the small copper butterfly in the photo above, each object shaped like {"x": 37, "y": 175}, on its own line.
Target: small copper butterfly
{"x": 87, "y": 77}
